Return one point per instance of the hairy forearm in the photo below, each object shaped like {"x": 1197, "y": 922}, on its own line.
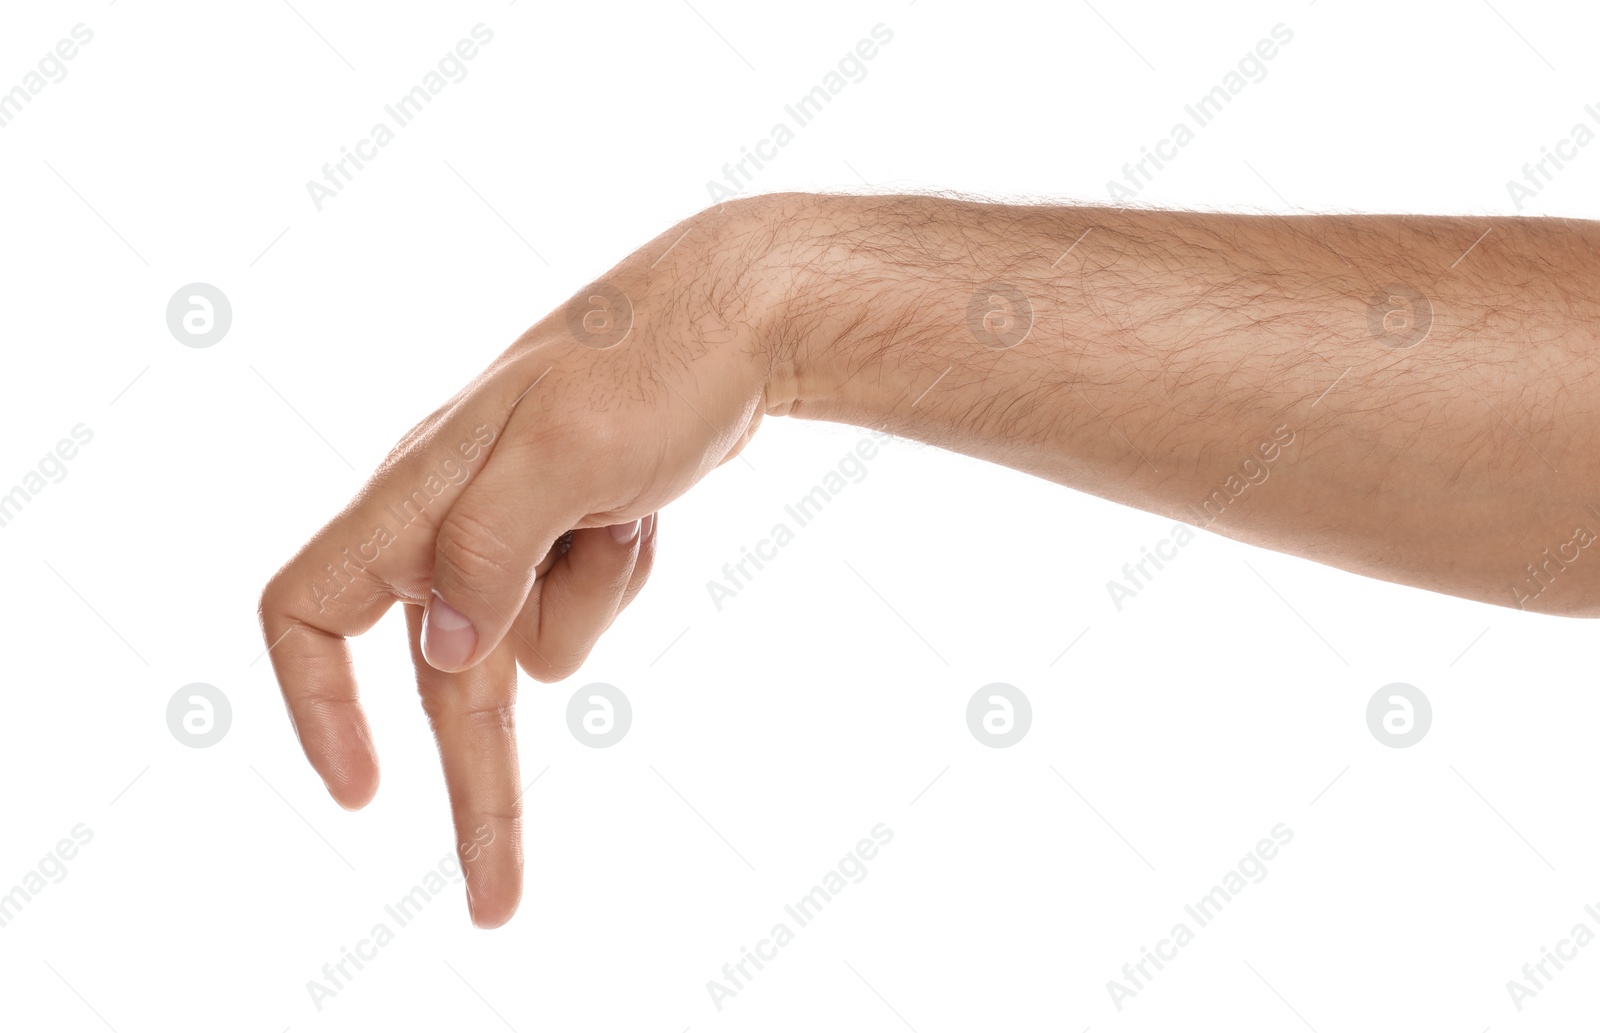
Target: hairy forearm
{"x": 1233, "y": 372}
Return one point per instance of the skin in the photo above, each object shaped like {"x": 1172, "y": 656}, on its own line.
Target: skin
{"x": 1163, "y": 353}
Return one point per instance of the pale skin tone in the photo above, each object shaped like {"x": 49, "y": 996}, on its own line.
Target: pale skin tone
{"x": 1162, "y": 350}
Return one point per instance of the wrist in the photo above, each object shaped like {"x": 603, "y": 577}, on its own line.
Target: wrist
{"x": 929, "y": 318}
{"x": 772, "y": 271}
{"x": 827, "y": 308}
{"x": 876, "y": 307}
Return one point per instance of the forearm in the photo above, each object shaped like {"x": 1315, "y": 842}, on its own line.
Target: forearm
{"x": 1226, "y": 371}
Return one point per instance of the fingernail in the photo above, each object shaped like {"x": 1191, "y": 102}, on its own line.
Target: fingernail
{"x": 448, "y": 637}
{"x": 649, "y": 523}
{"x": 624, "y": 533}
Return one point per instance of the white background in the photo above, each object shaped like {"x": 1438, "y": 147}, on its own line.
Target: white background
{"x": 828, "y": 696}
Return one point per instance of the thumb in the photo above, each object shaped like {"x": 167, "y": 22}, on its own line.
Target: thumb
{"x": 486, "y": 550}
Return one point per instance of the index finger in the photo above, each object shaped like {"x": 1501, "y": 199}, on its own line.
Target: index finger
{"x": 311, "y": 659}
{"x": 379, "y": 549}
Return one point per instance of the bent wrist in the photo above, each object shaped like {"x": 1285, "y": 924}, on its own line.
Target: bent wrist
{"x": 878, "y": 305}
{"x": 828, "y": 306}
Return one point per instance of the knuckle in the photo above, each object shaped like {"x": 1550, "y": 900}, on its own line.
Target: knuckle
{"x": 408, "y": 442}
{"x": 497, "y": 717}
{"x": 473, "y": 550}
{"x": 452, "y": 709}
{"x": 618, "y": 578}
{"x": 476, "y": 816}
{"x": 272, "y": 601}
{"x": 433, "y": 705}
{"x": 266, "y": 603}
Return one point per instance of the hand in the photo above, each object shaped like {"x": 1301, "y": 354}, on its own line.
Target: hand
{"x": 518, "y": 519}
{"x": 1145, "y": 367}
